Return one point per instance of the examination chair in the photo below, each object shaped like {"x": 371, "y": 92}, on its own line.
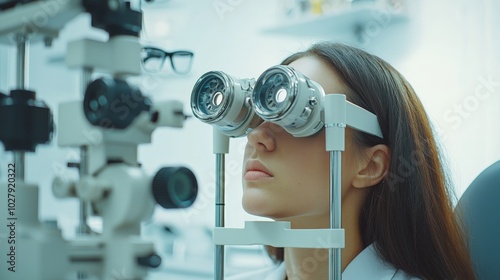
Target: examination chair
{"x": 479, "y": 207}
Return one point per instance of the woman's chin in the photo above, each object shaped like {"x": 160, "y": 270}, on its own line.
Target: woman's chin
{"x": 263, "y": 208}
{"x": 258, "y": 204}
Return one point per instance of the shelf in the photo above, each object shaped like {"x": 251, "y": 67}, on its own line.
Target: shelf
{"x": 352, "y": 19}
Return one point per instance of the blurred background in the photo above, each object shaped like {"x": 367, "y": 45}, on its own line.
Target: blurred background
{"x": 448, "y": 51}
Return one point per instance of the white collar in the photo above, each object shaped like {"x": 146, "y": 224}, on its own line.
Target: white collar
{"x": 368, "y": 265}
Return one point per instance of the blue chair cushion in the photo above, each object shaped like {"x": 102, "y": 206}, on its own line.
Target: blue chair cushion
{"x": 479, "y": 208}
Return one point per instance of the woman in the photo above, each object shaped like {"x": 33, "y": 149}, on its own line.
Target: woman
{"x": 396, "y": 208}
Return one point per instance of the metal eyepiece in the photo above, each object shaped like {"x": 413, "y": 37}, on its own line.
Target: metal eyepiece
{"x": 224, "y": 101}
{"x": 286, "y": 97}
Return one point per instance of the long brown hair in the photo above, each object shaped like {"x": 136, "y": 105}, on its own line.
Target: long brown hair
{"x": 409, "y": 215}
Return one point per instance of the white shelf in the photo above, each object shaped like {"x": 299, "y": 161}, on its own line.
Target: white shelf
{"x": 347, "y": 20}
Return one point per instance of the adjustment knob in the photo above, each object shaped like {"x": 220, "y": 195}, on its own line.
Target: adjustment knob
{"x": 25, "y": 121}
{"x": 151, "y": 261}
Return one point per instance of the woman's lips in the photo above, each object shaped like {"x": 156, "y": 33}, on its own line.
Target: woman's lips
{"x": 255, "y": 170}
{"x": 254, "y": 175}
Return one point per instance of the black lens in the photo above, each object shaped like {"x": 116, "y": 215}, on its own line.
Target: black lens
{"x": 113, "y": 103}
{"x": 181, "y": 61}
{"x": 175, "y": 187}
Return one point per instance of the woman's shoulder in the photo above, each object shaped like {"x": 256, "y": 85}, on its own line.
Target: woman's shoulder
{"x": 270, "y": 273}
{"x": 369, "y": 265}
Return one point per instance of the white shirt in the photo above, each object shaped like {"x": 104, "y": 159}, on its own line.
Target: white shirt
{"x": 366, "y": 265}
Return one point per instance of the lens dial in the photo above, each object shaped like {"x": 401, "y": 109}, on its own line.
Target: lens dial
{"x": 210, "y": 97}
{"x": 224, "y": 101}
{"x": 274, "y": 93}
{"x": 286, "y": 97}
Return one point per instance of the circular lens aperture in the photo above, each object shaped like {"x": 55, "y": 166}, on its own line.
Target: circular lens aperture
{"x": 286, "y": 97}
{"x": 217, "y": 99}
{"x": 224, "y": 101}
{"x": 274, "y": 91}
{"x": 209, "y": 97}
{"x": 281, "y": 95}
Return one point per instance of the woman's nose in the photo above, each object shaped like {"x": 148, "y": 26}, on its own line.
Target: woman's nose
{"x": 262, "y": 138}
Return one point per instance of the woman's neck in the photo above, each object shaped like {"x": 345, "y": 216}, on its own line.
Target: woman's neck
{"x": 308, "y": 263}
{"x": 312, "y": 263}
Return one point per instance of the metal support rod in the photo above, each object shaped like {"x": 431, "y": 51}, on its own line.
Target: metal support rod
{"x": 83, "y": 228}
{"x": 21, "y": 83}
{"x": 335, "y": 254}
{"x": 22, "y": 61}
{"x": 219, "y": 212}
{"x": 19, "y": 162}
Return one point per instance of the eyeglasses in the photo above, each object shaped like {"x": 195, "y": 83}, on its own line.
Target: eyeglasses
{"x": 153, "y": 59}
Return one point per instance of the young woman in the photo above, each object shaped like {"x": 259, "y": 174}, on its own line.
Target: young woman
{"x": 396, "y": 208}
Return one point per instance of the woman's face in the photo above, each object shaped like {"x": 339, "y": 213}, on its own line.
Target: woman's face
{"x": 286, "y": 177}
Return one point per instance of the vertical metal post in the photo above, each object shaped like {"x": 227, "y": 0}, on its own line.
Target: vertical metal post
{"x": 22, "y": 61}
{"x": 335, "y": 124}
{"x": 83, "y": 228}
{"x": 19, "y": 162}
{"x": 335, "y": 254}
{"x": 21, "y": 83}
{"x": 220, "y": 148}
{"x": 219, "y": 212}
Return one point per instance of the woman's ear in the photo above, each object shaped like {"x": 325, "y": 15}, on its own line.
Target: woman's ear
{"x": 373, "y": 166}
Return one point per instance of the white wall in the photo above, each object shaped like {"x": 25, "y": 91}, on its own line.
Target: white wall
{"x": 446, "y": 51}
{"x": 455, "y": 68}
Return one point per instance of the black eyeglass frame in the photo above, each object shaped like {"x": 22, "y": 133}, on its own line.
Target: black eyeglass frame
{"x": 152, "y": 52}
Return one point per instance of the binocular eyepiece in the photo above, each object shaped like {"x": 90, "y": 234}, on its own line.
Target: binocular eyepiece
{"x": 280, "y": 95}
{"x": 224, "y": 101}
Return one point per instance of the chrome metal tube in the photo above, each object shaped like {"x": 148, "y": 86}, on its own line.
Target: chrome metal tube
{"x": 219, "y": 212}
{"x": 21, "y": 83}
{"x": 335, "y": 254}
{"x": 22, "y": 61}
{"x": 19, "y": 162}
{"x": 83, "y": 227}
